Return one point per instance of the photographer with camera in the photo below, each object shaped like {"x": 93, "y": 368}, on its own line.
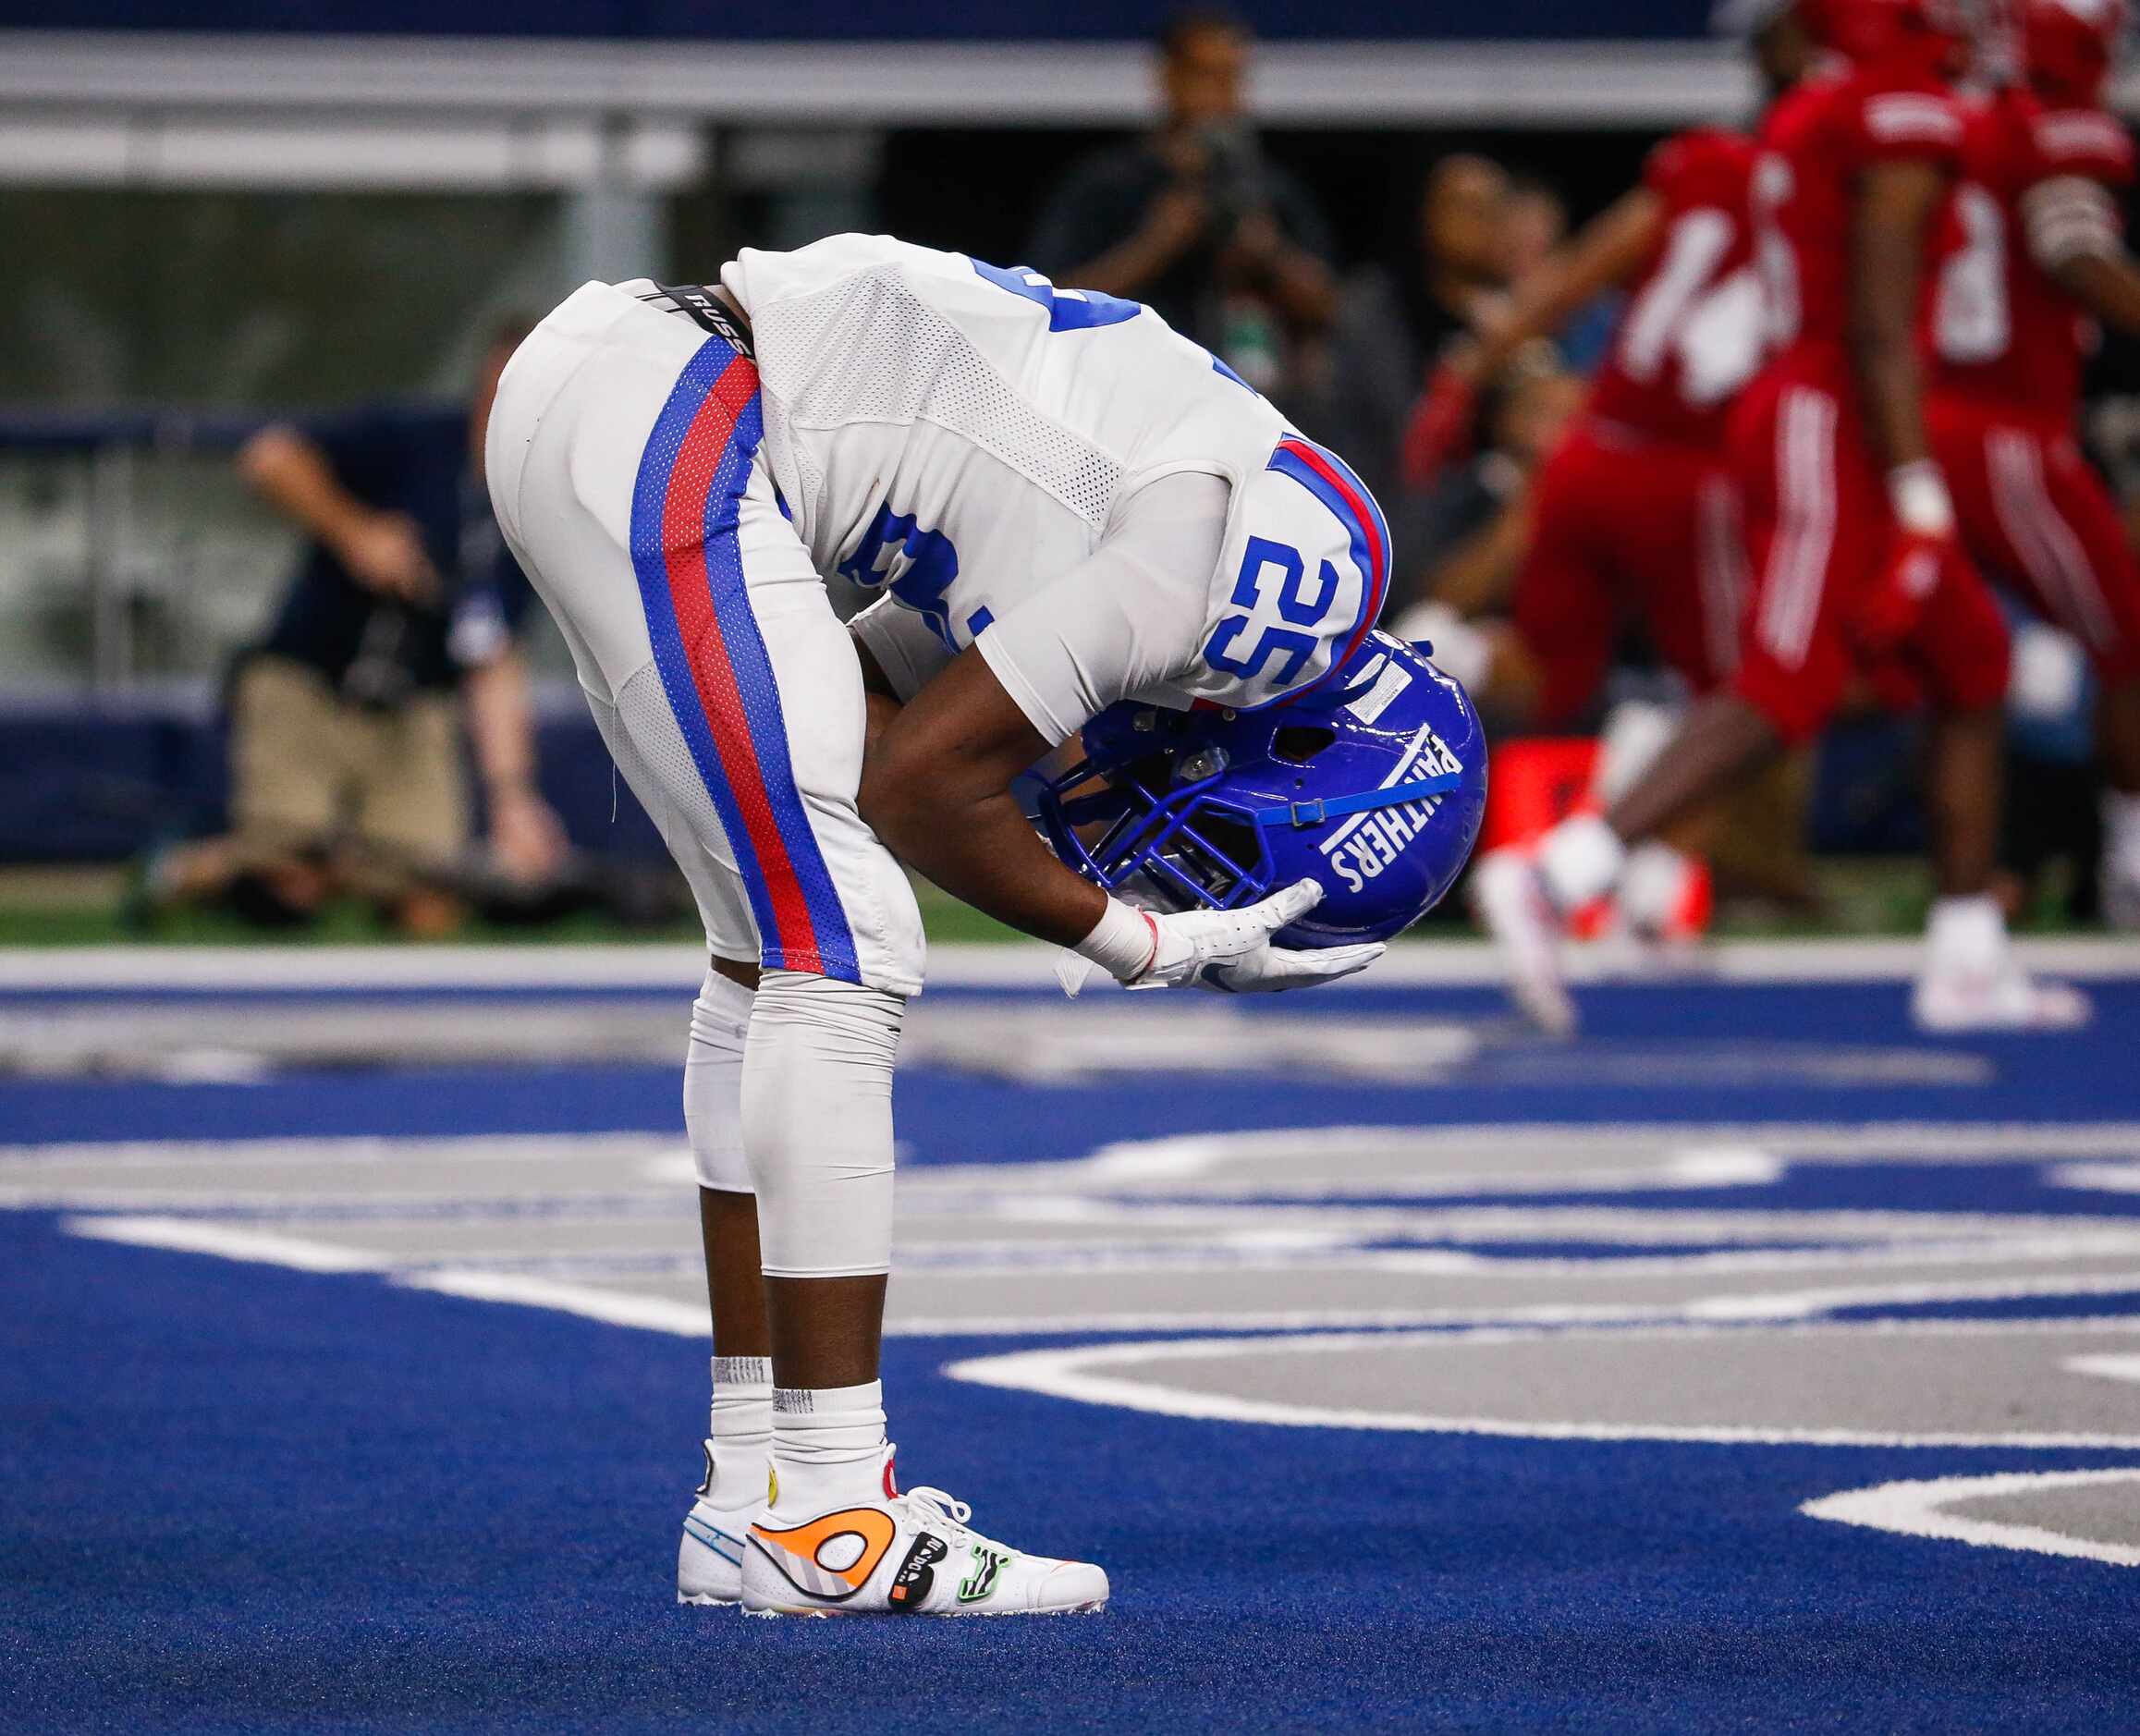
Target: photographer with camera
{"x": 345, "y": 752}
{"x": 1194, "y": 221}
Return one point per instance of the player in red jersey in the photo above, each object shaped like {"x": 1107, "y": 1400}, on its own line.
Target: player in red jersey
{"x": 1634, "y": 515}
{"x": 2033, "y": 244}
{"x": 1632, "y": 512}
{"x": 1850, "y": 531}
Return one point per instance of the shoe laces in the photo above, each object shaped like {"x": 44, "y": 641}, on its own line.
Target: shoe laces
{"x": 955, "y": 1513}
{"x": 954, "y": 1516}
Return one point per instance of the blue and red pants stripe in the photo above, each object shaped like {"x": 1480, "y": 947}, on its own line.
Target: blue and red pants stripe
{"x": 713, "y": 660}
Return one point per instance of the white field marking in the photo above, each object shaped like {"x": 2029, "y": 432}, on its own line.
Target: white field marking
{"x": 1821, "y": 1236}
{"x": 368, "y": 968}
{"x": 1686, "y": 1152}
{"x": 1662, "y": 1227}
{"x": 1176, "y": 1159}
{"x": 1339, "y": 1248}
{"x": 2105, "y": 1367}
{"x": 182, "y": 1235}
{"x": 627, "y": 1308}
{"x": 1749, "y": 1311}
{"x": 280, "y": 1153}
{"x": 688, "y": 1319}
{"x": 1050, "y": 1044}
{"x": 2113, "y": 1177}
{"x": 1831, "y": 1299}
{"x": 616, "y": 1308}
{"x": 681, "y": 968}
{"x": 262, "y": 1207}
{"x": 1190, "y": 1165}
{"x": 1243, "y": 1254}
{"x": 1276, "y": 1250}
{"x": 1918, "y": 1509}
{"x": 1725, "y": 1167}
{"x": 1070, "y": 1374}
{"x": 652, "y": 1313}
{"x": 1338, "y": 1255}
{"x": 1292, "y": 1240}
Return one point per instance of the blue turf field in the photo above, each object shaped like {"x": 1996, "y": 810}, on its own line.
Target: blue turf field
{"x": 240, "y": 1496}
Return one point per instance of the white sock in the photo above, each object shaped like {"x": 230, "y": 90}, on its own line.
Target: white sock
{"x": 827, "y": 1445}
{"x": 2122, "y": 828}
{"x": 741, "y": 1430}
{"x": 1635, "y": 732}
{"x": 1656, "y": 888}
{"x": 1965, "y": 934}
{"x": 1580, "y": 859}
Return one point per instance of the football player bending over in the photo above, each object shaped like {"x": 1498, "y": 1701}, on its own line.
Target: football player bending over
{"x": 1073, "y": 517}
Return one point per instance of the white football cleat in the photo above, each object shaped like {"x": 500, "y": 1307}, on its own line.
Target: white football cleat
{"x": 910, "y": 1554}
{"x": 1508, "y": 896}
{"x": 709, "y": 1562}
{"x": 2009, "y": 998}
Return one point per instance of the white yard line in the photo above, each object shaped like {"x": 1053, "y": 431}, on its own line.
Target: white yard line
{"x": 679, "y": 969}
{"x": 259, "y": 1247}
{"x": 1075, "y": 1374}
{"x": 1920, "y": 1509}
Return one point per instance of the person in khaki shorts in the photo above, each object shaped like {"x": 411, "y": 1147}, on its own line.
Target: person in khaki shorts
{"x": 346, "y": 769}
{"x": 387, "y": 784}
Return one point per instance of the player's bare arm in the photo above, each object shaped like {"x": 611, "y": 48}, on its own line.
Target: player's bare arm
{"x": 2072, "y": 232}
{"x": 936, "y": 789}
{"x": 381, "y": 550}
{"x": 1606, "y": 255}
{"x": 2107, "y": 285}
{"x": 1895, "y": 205}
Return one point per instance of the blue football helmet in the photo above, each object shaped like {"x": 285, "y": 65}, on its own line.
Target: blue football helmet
{"x": 1372, "y": 786}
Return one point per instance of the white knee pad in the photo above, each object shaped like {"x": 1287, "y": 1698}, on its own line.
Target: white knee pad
{"x": 714, "y": 1084}
{"x": 817, "y": 1124}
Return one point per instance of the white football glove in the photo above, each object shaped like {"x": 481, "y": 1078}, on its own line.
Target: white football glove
{"x": 1231, "y": 951}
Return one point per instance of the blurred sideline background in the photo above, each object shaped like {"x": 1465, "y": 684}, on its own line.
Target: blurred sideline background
{"x": 227, "y": 216}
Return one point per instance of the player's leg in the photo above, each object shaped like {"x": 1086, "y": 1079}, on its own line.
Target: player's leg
{"x": 2072, "y": 552}
{"x": 1564, "y": 607}
{"x": 1808, "y": 502}
{"x": 1682, "y": 548}
{"x": 1542, "y": 673}
{"x": 750, "y": 719}
{"x": 752, "y": 716}
{"x": 739, "y": 1446}
{"x": 1971, "y": 978}
{"x": 840, "y": 948}
{"x": 563, "y": 460}
{"x": 1796, "y": 489}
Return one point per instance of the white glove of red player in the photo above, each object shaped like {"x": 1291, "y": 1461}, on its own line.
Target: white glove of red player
{"x": 1923, "y": 551}
{"x": 1227, "y": 950}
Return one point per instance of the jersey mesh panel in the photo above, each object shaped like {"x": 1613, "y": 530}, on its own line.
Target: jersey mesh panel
{"x": 657, "y": 762}
{"x": 876, "y": 352}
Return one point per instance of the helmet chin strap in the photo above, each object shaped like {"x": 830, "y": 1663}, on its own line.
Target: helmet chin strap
{"x": 1307, "y": 814}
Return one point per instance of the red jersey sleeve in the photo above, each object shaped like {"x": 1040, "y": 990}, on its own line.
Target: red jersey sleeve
{"x": 1905, "y": 123}
{"x": 1665, "y": 165}
{"x": 2080, "y": 142}
{"x": 1706, "y": 166}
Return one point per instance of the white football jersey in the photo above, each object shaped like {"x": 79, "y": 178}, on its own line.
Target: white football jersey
{"x": 960, "y": 436}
